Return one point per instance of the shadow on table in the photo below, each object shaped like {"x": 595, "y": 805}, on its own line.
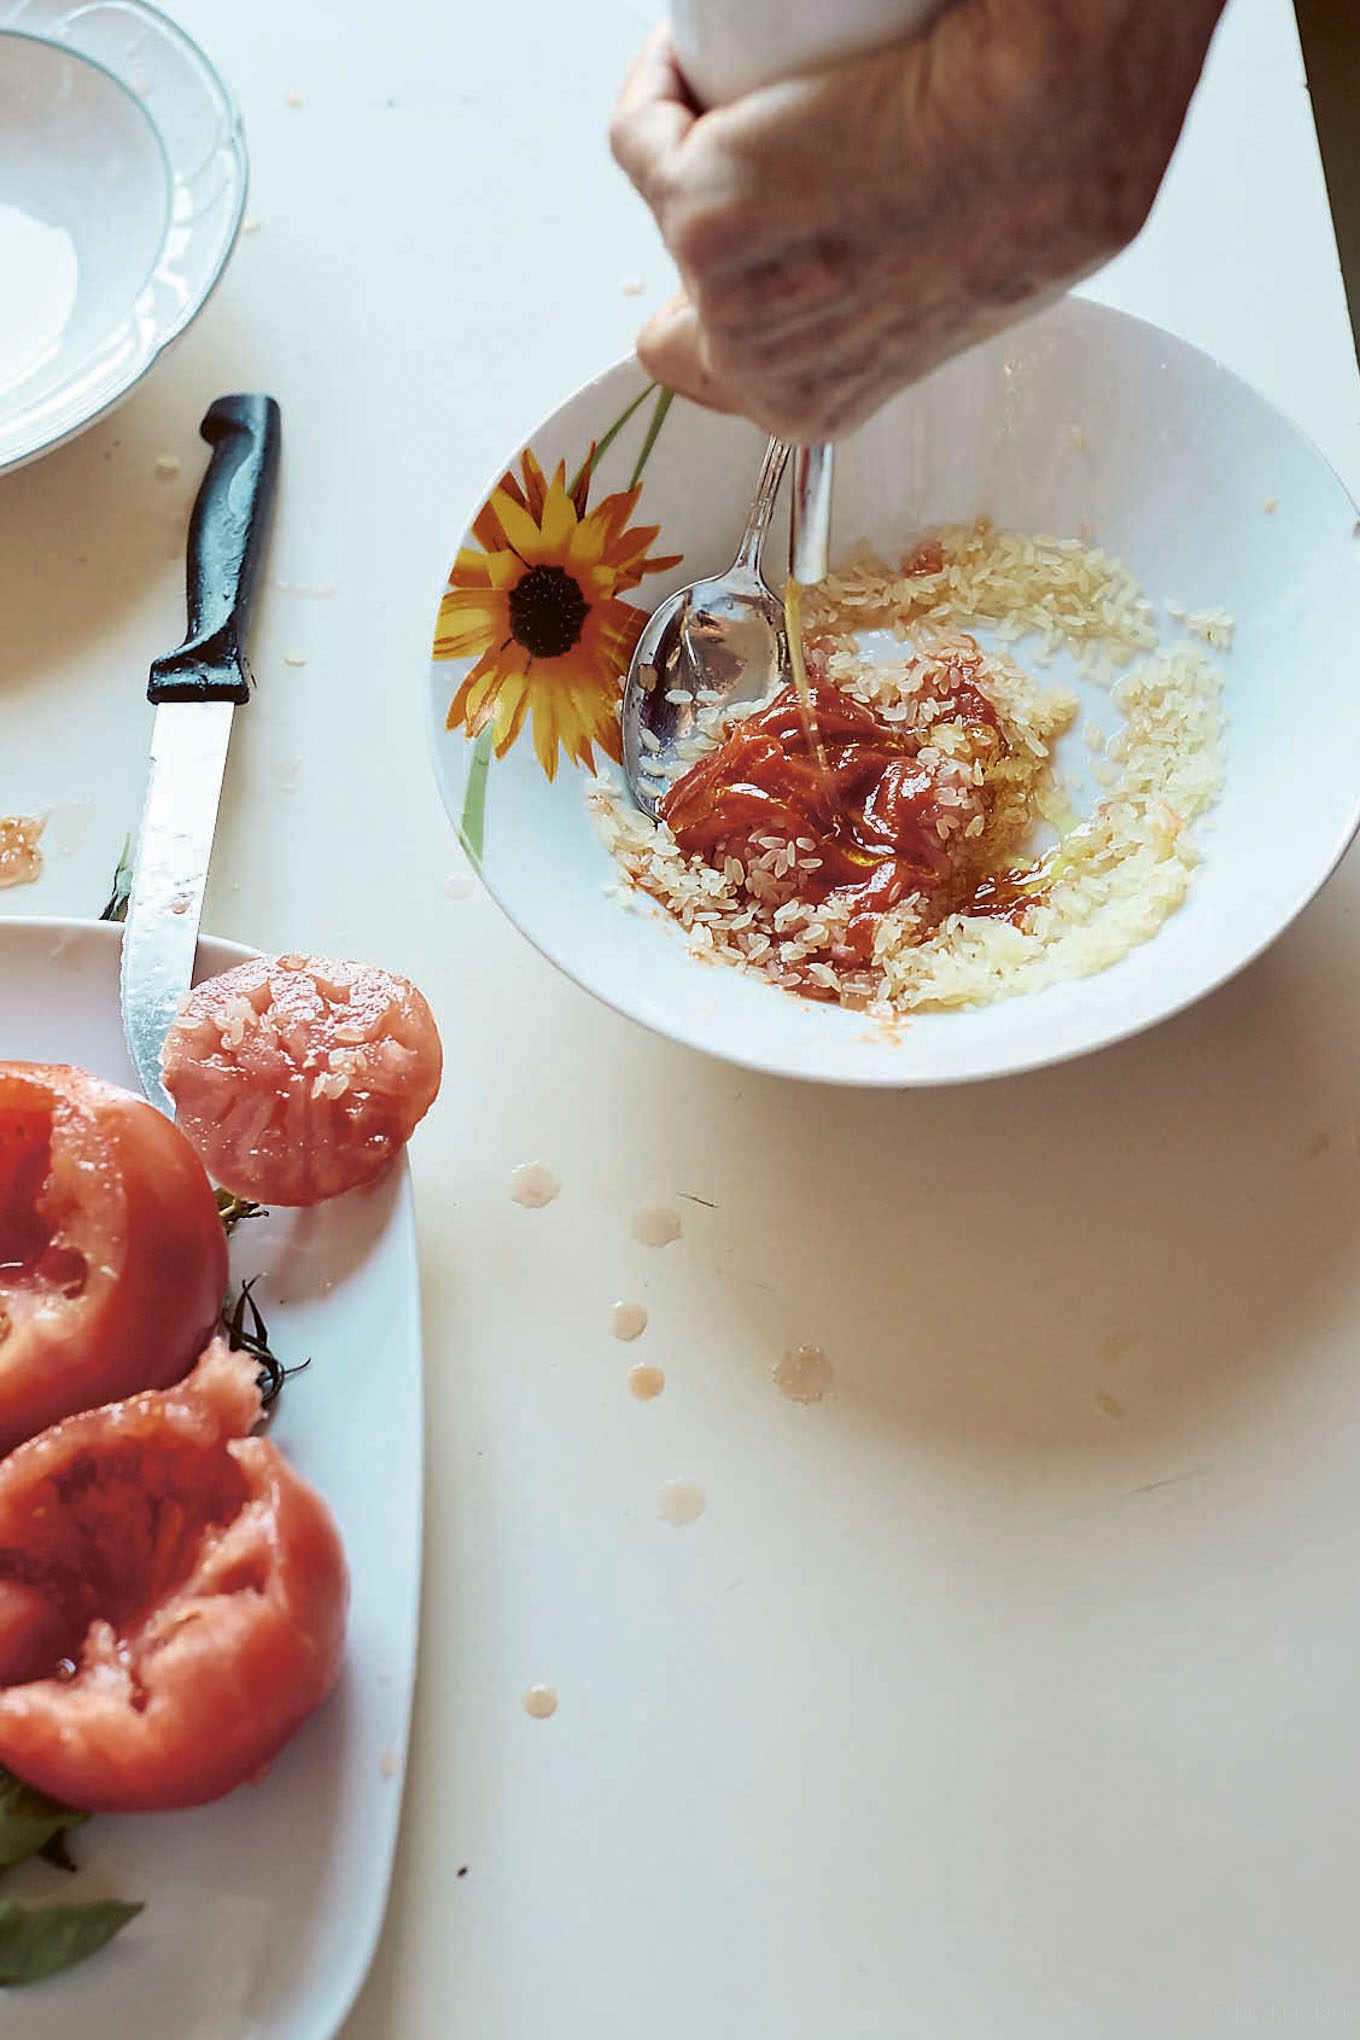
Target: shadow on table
{"x": 87, "y": 529}
{"x": 1026, "y": 1264}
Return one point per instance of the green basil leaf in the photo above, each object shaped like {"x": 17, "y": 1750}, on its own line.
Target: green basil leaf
{"x": 29, "y": 1819}
{"x": 116, "y": 906}
{"x": 42, "y": 1940}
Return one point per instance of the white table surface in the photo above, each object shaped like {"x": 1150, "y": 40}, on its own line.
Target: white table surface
{"x": 969, "y": 1707}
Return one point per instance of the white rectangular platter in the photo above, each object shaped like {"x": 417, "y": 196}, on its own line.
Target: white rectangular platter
{"x": 261, "y": 1912}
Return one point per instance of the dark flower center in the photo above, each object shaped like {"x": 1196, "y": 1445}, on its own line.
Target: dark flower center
{"x": 547, "y": 611}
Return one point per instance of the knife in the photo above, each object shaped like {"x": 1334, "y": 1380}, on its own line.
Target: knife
{"x": 196, "y": 692}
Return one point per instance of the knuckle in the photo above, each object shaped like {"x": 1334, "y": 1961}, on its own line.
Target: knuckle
{"x": 1113, "y": 203}
{"x": 799, "y": 408}
{"x": 640, "y": 154}
{"x": 620, "y": 137}
{"x": 655, "y": 359}
{"x": 701, "y": 235}
{"x": 751, "y": 389}
{"x": 729, "y": 357}
{"x": 844, "y": 413}
{"x": 780, "y": 292}
{"x": 639, "y": 165}
{"x": 831, "y": 411}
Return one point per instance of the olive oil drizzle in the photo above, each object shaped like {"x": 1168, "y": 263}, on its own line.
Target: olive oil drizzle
{"x": 793, "y": 632}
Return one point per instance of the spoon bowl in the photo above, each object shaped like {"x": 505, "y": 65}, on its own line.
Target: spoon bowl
{"x": 719, "y": 641}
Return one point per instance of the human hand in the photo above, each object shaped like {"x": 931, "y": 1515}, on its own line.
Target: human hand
{"x": 839, "y": 235}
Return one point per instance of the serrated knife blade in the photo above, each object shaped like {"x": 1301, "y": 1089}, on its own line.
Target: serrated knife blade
{"x": 196, "y": 692}
{"x": 160, "y": 938}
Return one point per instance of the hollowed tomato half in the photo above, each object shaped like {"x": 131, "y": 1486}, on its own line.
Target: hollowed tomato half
{"x": 113, "y": 1260}
{"x": 172, "y": 1598}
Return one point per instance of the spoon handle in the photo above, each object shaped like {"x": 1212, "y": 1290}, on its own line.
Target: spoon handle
{"x": 762, "y": 509}
{"x": 810, "y": 522}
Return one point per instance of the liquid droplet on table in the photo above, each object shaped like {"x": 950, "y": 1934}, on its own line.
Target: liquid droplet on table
{"x": 656, "y": 1225}
{"x": 646, "y": 1383}
{"x": 21, "y": 860}
{"x": 533, "y": 1185}
{"x": 628, "y": 1320}
{"x": 540, "y": 1702}
{"x": 804, "y": 1374}
{"x": 681, "y": 1502}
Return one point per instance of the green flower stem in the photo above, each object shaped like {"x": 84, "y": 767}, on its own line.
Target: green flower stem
{"x": 664, "y": 399}
{"x": 472, "y": 825}
{"x": 601, "y": 445}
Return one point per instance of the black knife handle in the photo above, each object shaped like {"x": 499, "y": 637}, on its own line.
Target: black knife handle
{"x": 227, "y": 534}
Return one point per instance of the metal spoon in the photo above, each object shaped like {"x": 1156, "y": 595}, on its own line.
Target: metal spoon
{"x": 723, "y": 637}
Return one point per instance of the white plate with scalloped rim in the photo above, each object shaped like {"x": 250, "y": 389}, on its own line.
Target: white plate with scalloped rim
{"x": 122, "y": 186}
{"x": 262, "y": 1911}
{"x": 1081, "y": 418}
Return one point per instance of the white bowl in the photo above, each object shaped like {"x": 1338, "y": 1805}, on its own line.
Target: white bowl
{"x": 1083, "y": 418}
{"x": 122, "y": 184}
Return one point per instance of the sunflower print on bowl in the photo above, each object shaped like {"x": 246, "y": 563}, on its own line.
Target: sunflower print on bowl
{"x": 537, "y": 603}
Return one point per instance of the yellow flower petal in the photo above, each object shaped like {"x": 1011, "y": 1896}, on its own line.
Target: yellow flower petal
{"x": 486, "y": 570}
{"x": 558, "y": 521}
{"x": 535, "y": 488}
{"x": 474, "y": 605}
{"x": 545, "y": 734}
{"x": 470, "y": 623}
{"x": 587, "y": 543}
{"x": 515, "y": 722}
{"x": 521, "y": 531}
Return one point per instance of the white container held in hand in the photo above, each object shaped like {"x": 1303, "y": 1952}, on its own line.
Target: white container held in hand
{"x": 728, "y": 48}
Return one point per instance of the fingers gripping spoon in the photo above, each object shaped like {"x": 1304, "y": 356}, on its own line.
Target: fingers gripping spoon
{"x": 196, "y": 692}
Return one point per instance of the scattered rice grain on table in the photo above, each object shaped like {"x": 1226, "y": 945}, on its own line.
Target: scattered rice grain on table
{"x": 1119, "y": 873}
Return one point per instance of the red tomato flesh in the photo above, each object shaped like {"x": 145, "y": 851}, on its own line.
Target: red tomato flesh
{"x": 172, "y": 1598}
{"x": 299, "y": 1077}
{"x": 113, "y": 1260}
